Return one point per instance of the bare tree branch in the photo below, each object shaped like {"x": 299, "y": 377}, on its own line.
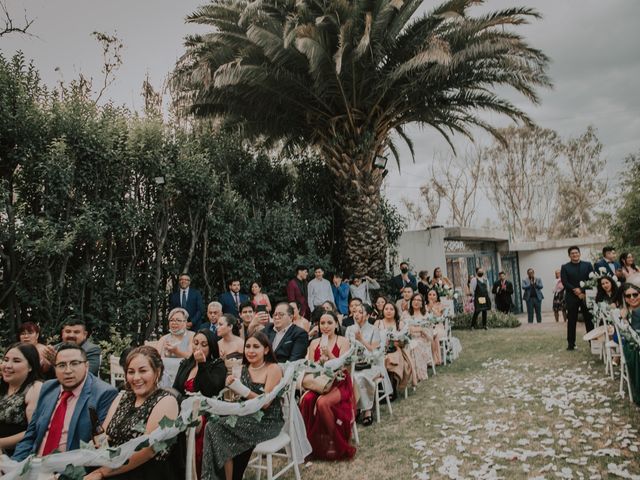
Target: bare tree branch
{"x": 9, "y": 27}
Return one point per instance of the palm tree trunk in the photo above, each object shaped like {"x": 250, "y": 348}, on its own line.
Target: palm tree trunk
{"x": 358, "y": 198}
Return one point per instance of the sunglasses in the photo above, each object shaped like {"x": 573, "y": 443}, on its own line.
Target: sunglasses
{"x": 631, "y": 295}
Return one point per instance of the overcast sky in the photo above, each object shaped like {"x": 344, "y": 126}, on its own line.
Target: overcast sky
{"x": 593, "y": 44}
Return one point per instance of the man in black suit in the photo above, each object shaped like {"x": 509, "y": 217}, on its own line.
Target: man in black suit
{"x": 190, "y": 299}
{"x": 572, "y": 274}
{"x": 232, "y": 299}
{"x": 288, "y": 341}
{"x": 503, "y": 289}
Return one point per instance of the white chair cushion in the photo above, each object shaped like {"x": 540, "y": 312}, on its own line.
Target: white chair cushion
{"x": 274, "y": 445}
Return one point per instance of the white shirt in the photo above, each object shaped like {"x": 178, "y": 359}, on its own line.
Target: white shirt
{"x": 319, "y": 291}
{"x": 279, "y": 336}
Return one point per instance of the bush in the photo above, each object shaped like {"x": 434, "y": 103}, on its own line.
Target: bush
{"x": 462, "y": 321}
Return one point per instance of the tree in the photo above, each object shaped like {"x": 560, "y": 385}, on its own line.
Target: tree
{"x": 580, "y": 188}
{"x": 346, "y": 78}
{"x": 625, "y": 228}
{"x": 522, "y": 176}
{"x": 8, "y": 27}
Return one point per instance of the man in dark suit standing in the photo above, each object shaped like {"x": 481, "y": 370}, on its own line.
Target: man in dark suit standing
{"x": 62, "y": 419}
{"x": 608, "y": 262}
{"x": 190, "y": 299}
{"x": 288, "y": 341}
{"x": 572, "y": 274}
{"x": 232, "y": 299}
{"x": 503, "y": 289}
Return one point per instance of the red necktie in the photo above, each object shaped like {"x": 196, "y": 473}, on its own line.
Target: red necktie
{"x": 56, "y": 424}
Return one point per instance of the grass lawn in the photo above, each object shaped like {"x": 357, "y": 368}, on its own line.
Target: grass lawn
{"x": 515, "y": 404}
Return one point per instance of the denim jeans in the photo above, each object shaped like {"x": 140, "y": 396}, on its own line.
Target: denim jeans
{"x": 534, "y": 304}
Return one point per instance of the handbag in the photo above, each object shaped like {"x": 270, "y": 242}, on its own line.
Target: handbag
{"x": 359, "y": 366}
{"x": 321, "y": 383}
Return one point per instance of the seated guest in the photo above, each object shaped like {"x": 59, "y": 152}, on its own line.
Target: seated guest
{"x": 328, "y": 417}
{"x": 289, "y": 341}
{"x": 19, "y": 389}
{"x": 142, "y": 403}
{"x": 608, "y": 291}
{"x": 298, "y": 319}
{"x": 628, "y": 270}
{"x": 348, "y": 321}
{"x": 176, "y": 343}
{"x": 378, "y": 306}
{"x": 631, "y": 310}
{"x": 421, "y": 337}
{"x": 227, "y": 449}
{"x": 436, "y": 309}
{"x": 361, "y": 287}
{"x": 230, "y": 342}
{"x": 252, "y": 319}
{"x": 75, "y": 331}
{"x": 29, "y": 332}
{"x": 397, "y": 360}
{"x": 214, "y": 312}
{"x": 402, "y": 304}
{"x": 56, "y": 425}
{"x": 366, "y": 374}
{"x": 203, "y": 372}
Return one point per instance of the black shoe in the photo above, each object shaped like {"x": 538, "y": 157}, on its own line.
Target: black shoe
{"x": 571, "y": 348}
{"x": 366, "y": 421}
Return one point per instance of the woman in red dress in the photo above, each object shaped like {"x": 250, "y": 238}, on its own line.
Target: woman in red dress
{"x": 328, "y": 417}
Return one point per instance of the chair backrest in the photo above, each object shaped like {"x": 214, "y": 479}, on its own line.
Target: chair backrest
{"x": 115, "y": 370}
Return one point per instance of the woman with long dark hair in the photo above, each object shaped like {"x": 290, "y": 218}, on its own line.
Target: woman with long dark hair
{"x": 328, "y": 417}
{"x": 608, "y": 291}
{"x": 142, "y": 403}
{"x": 227, "y": 449}
{"x": 203, "y": 372}
{"x": 29, "y": 332}
{"x": 229, "y": 333}
{"x": 397, "y": 360}
{"x": 628, "y": 268}
{"x": 421, "y": 337}
{"x": 259, "y": 298}
{"x": 19, "y": 390}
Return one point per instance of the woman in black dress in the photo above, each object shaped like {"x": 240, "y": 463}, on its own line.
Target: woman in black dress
{"x": 141, "y": 403}
{"x": 19, "y": 390}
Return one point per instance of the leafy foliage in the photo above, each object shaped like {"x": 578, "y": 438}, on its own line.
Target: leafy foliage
{"x": 626, "y": 223}
{"x": 88, "y": 229}
{"x": 462, "y": 321}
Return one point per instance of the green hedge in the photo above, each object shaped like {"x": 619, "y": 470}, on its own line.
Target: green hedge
{"x": 462, "y": 321}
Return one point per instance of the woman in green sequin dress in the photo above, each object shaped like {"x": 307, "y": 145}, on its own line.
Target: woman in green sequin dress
{"x": 227, "y": 449}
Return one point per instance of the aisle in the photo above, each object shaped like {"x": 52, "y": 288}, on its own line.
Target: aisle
{"x": 516, "y": 405}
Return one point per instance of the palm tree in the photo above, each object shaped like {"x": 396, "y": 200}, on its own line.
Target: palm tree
{"x": 345, "y": 77}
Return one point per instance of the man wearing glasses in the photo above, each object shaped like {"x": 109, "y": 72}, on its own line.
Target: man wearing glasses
{"x": 62, "y": 418}
{"x": 289, "y": 341}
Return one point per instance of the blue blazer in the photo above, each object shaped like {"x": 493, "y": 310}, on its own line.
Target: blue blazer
{"x": 95, "y": 393}
{"x": 195, "y": 306}
{"x": 532, "y": 290}
{"x": 229, "y": 304}
{"x": 604, "y": 264}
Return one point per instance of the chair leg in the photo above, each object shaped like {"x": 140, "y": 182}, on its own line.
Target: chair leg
{"x": 377, "y": 405}
{"x": 259, "y": 466}
{"x": 296, "y": 470}
{"x": 389, "y": 404}
{"x": 354, "y": 430}
{"x": 269, "y": 467}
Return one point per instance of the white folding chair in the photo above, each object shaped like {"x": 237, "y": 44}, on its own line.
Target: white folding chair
{"x": 381, "y": 394}
{"x": 190, "y": 472}
{"x": 116, "y": 372}
{"x": 274, "y": 447}
{"x": 624, "y": 369}
{"x": 445, "y": 342}
{"x": 354, "y": 427}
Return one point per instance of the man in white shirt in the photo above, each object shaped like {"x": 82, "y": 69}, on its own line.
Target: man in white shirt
{"x": 319, "y": 290}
